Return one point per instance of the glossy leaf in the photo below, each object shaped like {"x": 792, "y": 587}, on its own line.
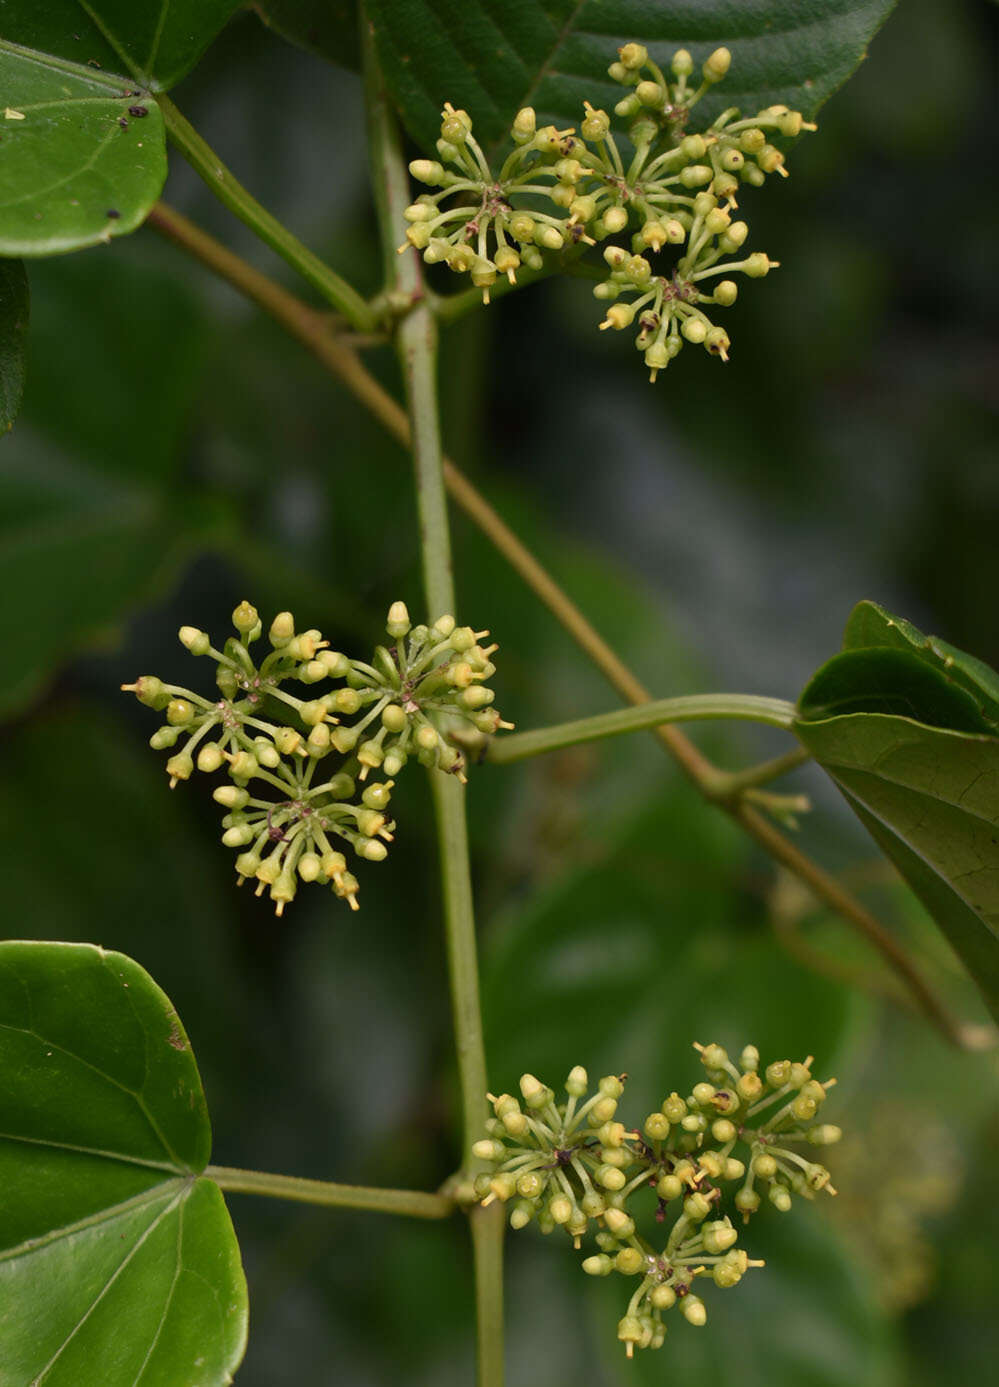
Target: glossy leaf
{"x": 156, "y": 42}
{"x": 118, "y": 1262}
{"x": 930, "y": 798}
{"x": 905, "y": 729}
{"x": 13, "y": 332}
{"x": 882, "y": 680}
{"x": 328, "y": 28}
{"x": 870, "y": 625}
{"x": 493, "y": 59}
{"x": 78, "y": 167}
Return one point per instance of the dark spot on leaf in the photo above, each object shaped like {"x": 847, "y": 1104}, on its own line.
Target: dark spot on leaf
{"x": 123, "y": 122}
{"x": 138, "y": 111}
{"x": 113, "y": 213}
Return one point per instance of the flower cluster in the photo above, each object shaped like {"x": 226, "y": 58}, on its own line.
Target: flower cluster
{"x": 671, "y": 188}
{"x": 284, "y": 813}
{"x": 574, "y": 1165}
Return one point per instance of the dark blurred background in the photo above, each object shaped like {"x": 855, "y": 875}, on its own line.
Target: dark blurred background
{"x": 176, "y": 454}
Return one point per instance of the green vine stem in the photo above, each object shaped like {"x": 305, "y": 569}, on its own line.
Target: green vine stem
{"x": 313, "y": 331}
{"x": 691, "y": 708}
{"x": 227, "y": 188}
{"x": 416, "y": 338}
{"x": 415, "y": 1203}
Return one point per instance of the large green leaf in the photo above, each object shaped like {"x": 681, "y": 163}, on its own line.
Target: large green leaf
{"x": 930, "y": 798}
{"x": 155, "y": 41}
{"x": 493, "y": 59}
{"x": 118, "y": 1263}
{"x": 79, "y": 165}
{"x": 905, "y": 728}
{"x": 13, "y": 332}
{"x": 883, "y": 680}
{"x": 871, "y": 626}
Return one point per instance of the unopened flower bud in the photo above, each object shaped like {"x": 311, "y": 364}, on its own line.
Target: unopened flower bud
{"x": 196, "y": 641}
{"x": 825, "y": 1135}
{"x": 282, "y": 629}
{"x": 577, "y": 1082}
{"x": 524, "y": 125}
{"x": 550, "y": 237}
{"x": 717, "y": 65}
{"x": 619, "y": 1223}
{"x": 696, "y": 175}
{"x": 210, "y": 758}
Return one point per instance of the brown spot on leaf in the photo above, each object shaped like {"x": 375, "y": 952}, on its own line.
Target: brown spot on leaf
{"x": 176, "y": 1038}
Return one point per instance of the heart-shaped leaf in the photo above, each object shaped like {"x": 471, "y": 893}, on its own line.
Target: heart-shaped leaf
{"x": 118, "y": 1262}
{"x": 157, "y": 42}
{"x": 83, "y": 158}
{"x": 492, "y": 59}
{"x": 905, "y": 731}
{"x": 13, "y": 332}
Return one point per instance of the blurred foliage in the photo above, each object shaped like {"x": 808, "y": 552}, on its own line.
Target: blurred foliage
{"x": 176, "y": 454}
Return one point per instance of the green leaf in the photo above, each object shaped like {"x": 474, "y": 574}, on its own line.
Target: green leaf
{"x": 493, "y": 59}
{"x": 14, "y": 306}
{"x": 870, "y": 625}
{"x": 156, "y": 41}
{"x": 930, "y": 799}
{"x": 328, "y": 28}
{"x": 905, "y": 725}
{"x": 118, "y": 1262}
{"x": 77, "y": 167}
{"x": 880, "y": 680}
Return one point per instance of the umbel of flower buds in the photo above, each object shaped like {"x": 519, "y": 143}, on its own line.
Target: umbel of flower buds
{"x": 299, "y": 766}
{"x": 672, "y": 190}
{"x": 738, "y": 1137}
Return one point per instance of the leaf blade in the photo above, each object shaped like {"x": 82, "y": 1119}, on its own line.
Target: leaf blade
{"x": 113, "y": 1267}
{"x": 492, "y": 60}
{"x": 157, "y": 44}
{"x": 930, "y": 798}
{"x": 78, "y": 169}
